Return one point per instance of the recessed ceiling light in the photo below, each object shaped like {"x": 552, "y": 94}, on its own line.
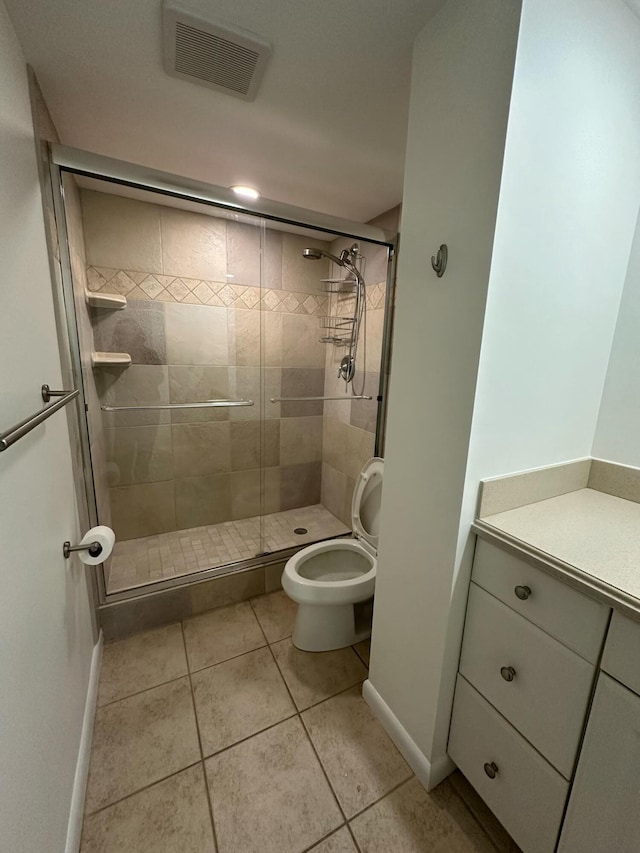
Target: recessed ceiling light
{"x": 246, "y": 192}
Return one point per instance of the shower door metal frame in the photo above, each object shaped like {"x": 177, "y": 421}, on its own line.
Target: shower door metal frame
{"x": 385, "y": 355}
{"x": 98, "y": 586}
{"x": 64, "y": 159}
{"x": 102, "y": 168}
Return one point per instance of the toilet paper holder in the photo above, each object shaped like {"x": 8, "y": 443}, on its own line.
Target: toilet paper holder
{"x": 94, "y": 548}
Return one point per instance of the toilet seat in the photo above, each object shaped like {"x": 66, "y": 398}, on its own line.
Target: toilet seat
{"x": 307, "y": 590}
{"x": 304, "y": 582}
{"x": 365, "y": 504}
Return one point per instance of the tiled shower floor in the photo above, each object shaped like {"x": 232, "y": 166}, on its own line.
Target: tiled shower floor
{"x": 216, "y": 734}
{"x": 137, "y": 562}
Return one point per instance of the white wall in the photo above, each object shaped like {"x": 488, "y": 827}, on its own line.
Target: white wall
{"x": 568, "y": 207}
{"x": 45, "y": 626}
{"x": 462, "y": 73}
{"x": 618, "y": 431}
{"x": 567, "y": 212}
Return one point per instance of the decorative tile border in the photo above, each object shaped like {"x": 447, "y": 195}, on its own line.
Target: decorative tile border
{"x": 375, "y": 295}
{"x": 166, "y": 288}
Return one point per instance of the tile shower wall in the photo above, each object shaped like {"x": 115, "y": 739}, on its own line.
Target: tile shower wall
{"x": 193, "y": 325}
{"x": 349, "y": 426}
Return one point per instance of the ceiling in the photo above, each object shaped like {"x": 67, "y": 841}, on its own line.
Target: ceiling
{"x": 327, "y": 129}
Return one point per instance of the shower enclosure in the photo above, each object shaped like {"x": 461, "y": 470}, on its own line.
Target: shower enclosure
{"x": 233, "y": 368}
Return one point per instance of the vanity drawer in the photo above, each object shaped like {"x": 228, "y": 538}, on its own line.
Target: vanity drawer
{"x": 538, "y": 684}
{"x": 621, "y": 657}
{"x": 526, "y": 794}
{"x": 576, "y": 620}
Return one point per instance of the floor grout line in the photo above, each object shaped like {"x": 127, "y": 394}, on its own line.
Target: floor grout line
{"x": 144, "y": 690}
{"x": 382, "y": 797}
{"x": 365, "y": 662}
{"x": 248, "y": 737}
{"x": 204, "y": 769}
{"x": 333, "y": 696}
{"x": 143, "y": 788}
{"x": 353, "y": 838}
{"x": 324, "y": 838}
{"x": 326, "y": 775}
{"x": 226, "y": 660}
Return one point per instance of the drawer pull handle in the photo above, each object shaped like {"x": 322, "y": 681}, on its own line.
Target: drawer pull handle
{"x": 522, "y": 592}
{"x": 491, "y": 769}
{"x": 508, "y": 673}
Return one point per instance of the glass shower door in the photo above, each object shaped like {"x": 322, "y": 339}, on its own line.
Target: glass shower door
{"x": 174, "y": 375}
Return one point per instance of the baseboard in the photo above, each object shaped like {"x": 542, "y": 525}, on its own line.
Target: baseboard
{"x": 430, "y": 773}
{"x": 76, "y": 812}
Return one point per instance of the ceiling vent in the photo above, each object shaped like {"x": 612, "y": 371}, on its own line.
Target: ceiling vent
{"x": 223, "y": 58}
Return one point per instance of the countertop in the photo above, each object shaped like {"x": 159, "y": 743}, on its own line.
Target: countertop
{"x": 588, "y": 538}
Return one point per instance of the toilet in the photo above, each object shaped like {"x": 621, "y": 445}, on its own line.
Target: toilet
{"x": 330, "y": 580}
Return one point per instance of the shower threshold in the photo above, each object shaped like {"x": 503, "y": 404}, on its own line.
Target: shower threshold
{"x": 138, "y": 562}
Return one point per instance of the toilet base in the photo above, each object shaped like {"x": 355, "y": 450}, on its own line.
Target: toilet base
{"x": 325, "y": 627}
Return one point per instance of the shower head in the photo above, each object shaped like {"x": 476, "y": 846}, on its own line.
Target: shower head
{"x": 316, "y": 254}
{"x": 313, "y": 254}
{"x": 346, "y": 259}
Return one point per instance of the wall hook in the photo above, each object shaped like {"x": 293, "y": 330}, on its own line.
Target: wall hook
{"x": 440, "y": 264}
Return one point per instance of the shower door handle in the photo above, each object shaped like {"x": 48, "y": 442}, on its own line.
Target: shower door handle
{"x": 309, "y": 399}
{"x": 206, "y": 404}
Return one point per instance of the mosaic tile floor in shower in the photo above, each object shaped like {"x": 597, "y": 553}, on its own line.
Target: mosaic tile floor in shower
{"x": 137, "y": 562}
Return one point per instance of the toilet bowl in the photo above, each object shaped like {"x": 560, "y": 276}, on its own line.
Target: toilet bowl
{"x": 329, "y": 580}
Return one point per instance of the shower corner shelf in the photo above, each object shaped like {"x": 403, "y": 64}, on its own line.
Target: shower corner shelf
{"x": 345, "y": 286}
{"x": 335, "y": 321}
{"x": 110, "y": 301}
{"x": 340, "y": 330}
{"x": 110, "y": 359}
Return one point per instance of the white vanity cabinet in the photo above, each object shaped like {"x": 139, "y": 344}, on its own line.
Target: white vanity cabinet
{"x": 604, "y": 807}
{"x": 603, "y": 814}
{"x": 529, "y": 658}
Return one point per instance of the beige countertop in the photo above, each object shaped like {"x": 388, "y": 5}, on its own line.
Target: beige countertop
{"x": 586, "y": 537}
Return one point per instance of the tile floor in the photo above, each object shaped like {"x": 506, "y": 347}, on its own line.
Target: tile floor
{"x": 137, "y": 562}
{"x": 216, "y": 734}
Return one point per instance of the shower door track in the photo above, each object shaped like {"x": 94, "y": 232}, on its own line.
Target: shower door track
{"x": 202, "y": 575}
{"x": 87, "y": 164}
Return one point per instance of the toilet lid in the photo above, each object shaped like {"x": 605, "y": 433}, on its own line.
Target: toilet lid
{"x": 367, "y": 496}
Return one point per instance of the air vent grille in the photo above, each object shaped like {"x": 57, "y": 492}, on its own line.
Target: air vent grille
{"x": 229, "y": 60}
{"x": 214, "y": 59}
